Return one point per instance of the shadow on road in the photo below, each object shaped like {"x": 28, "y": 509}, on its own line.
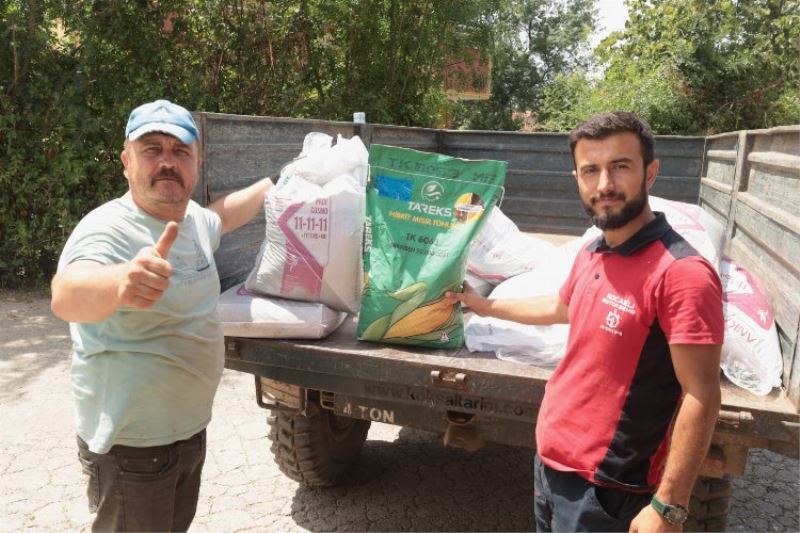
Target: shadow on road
{"x": 416, "y": 484}
{"x": 32, "y": 340}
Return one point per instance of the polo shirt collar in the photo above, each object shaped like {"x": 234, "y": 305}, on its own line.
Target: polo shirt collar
{"x": 652, "y": 231}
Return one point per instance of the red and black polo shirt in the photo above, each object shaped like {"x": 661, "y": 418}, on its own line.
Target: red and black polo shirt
{"x": 608, "y": 408}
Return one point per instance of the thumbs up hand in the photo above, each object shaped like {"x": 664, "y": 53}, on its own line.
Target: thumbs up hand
{"x": 167, "y": 239}
{"x": 147, "y": 275}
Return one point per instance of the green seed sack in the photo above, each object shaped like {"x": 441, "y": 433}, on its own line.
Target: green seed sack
{"x": 423, "y": 209}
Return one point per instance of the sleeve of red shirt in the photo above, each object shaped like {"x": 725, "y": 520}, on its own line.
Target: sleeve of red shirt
{"x": 690, "y": 303}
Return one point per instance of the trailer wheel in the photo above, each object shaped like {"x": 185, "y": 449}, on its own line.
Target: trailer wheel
{"x": 709, "y": 505}
{"x": 317, "y": 450}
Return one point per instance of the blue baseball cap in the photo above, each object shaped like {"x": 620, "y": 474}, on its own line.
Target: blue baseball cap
{"x": 162, "y": 116}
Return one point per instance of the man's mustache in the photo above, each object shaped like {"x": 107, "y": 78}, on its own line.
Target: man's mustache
{"x": 168, "y": 174}
{"x": 609, "y": 196}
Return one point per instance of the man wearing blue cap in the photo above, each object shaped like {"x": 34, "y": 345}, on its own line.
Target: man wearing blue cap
{"x": 138, "y": 283}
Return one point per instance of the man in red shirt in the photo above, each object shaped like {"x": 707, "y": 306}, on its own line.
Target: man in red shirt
{"x": 628, "y": 415}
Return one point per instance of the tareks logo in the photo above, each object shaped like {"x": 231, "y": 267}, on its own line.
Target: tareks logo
{"x": 432, "y": 191}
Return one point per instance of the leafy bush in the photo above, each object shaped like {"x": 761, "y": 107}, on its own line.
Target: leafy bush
{"x": 70, "y": 72}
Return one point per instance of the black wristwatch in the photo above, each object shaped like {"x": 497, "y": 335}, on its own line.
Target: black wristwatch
{"x": 674, "y": 514}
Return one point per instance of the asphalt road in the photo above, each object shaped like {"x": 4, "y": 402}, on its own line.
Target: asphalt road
{"x": 405, "y": 480}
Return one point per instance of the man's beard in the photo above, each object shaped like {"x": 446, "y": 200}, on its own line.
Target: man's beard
{"x": 630, "y": 209}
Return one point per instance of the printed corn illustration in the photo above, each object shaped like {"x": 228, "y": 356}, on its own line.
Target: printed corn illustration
{"x": 424, "y": 319}
{"x": 414, "y": 320}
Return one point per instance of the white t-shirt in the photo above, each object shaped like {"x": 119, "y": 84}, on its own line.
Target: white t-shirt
{"x": 147, "y": 377}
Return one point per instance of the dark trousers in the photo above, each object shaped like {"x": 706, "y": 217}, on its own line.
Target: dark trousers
{"x": 564, "y": 501}
{"x": 144, "y": 489}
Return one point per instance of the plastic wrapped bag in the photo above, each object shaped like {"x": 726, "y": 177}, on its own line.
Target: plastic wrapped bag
{"x": 246, "y": 314}
{"x": 512, "y": 341}
{"x": 751, "y": 352}
{"x": 314, "y": 221}
{"x": 500, "y": 250}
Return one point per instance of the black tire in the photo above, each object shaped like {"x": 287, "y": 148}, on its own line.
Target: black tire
{"x": 316, "y": 451}
{"x": 710, "y": 504}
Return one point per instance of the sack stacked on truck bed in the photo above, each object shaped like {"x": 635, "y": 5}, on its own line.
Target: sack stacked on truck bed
{"x": 314, "y": 221}
{"x": 534, "y": 345}
{"x": 246, "y": 314}
{"x": 751, "y": 353}
{"x": 423, "y": 209}
{"x": 501, "y": 251}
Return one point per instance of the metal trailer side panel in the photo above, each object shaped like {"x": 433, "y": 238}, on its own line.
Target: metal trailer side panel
{"x": 762, "y": 182}
{"x": 540, "y": 196}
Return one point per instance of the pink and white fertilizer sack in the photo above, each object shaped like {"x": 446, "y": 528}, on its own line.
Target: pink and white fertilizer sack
{"x": 751, "y": 352}
{"x": 314, "y": 221}
{"x": 246, "y": 314}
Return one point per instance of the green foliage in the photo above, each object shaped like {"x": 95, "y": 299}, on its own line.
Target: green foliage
{"x": 699, "y": 66}
{"x": 537, "y": 42}
{"x": 70, "y": 72}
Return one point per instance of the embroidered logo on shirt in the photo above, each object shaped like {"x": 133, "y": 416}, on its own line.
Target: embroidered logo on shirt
{"x": 612, "y": 320}
{"x": 618, "y": 304}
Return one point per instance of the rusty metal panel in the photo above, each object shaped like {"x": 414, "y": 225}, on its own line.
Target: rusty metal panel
{"x": 540, "y": 192}
{"x": 721, "y": 175}
{"x": 720, "y": 158}
{"x": 715, "y": 198}
{"x": 718, "y": 176}
{"x": 764, "y": 230}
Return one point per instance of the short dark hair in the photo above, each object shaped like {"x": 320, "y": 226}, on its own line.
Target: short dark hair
{"x": 606, "y": 124}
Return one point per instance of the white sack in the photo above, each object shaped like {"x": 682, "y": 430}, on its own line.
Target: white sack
{"x": 535, "y": 345}
{"x": 751, "y": 352}
{"x": 245, "y": 314}
{"x": 314, "y": 221}
{"x": 501, "y": 250}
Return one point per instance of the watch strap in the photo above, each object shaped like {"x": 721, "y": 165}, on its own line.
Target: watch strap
{"x": 668, "y": 511}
